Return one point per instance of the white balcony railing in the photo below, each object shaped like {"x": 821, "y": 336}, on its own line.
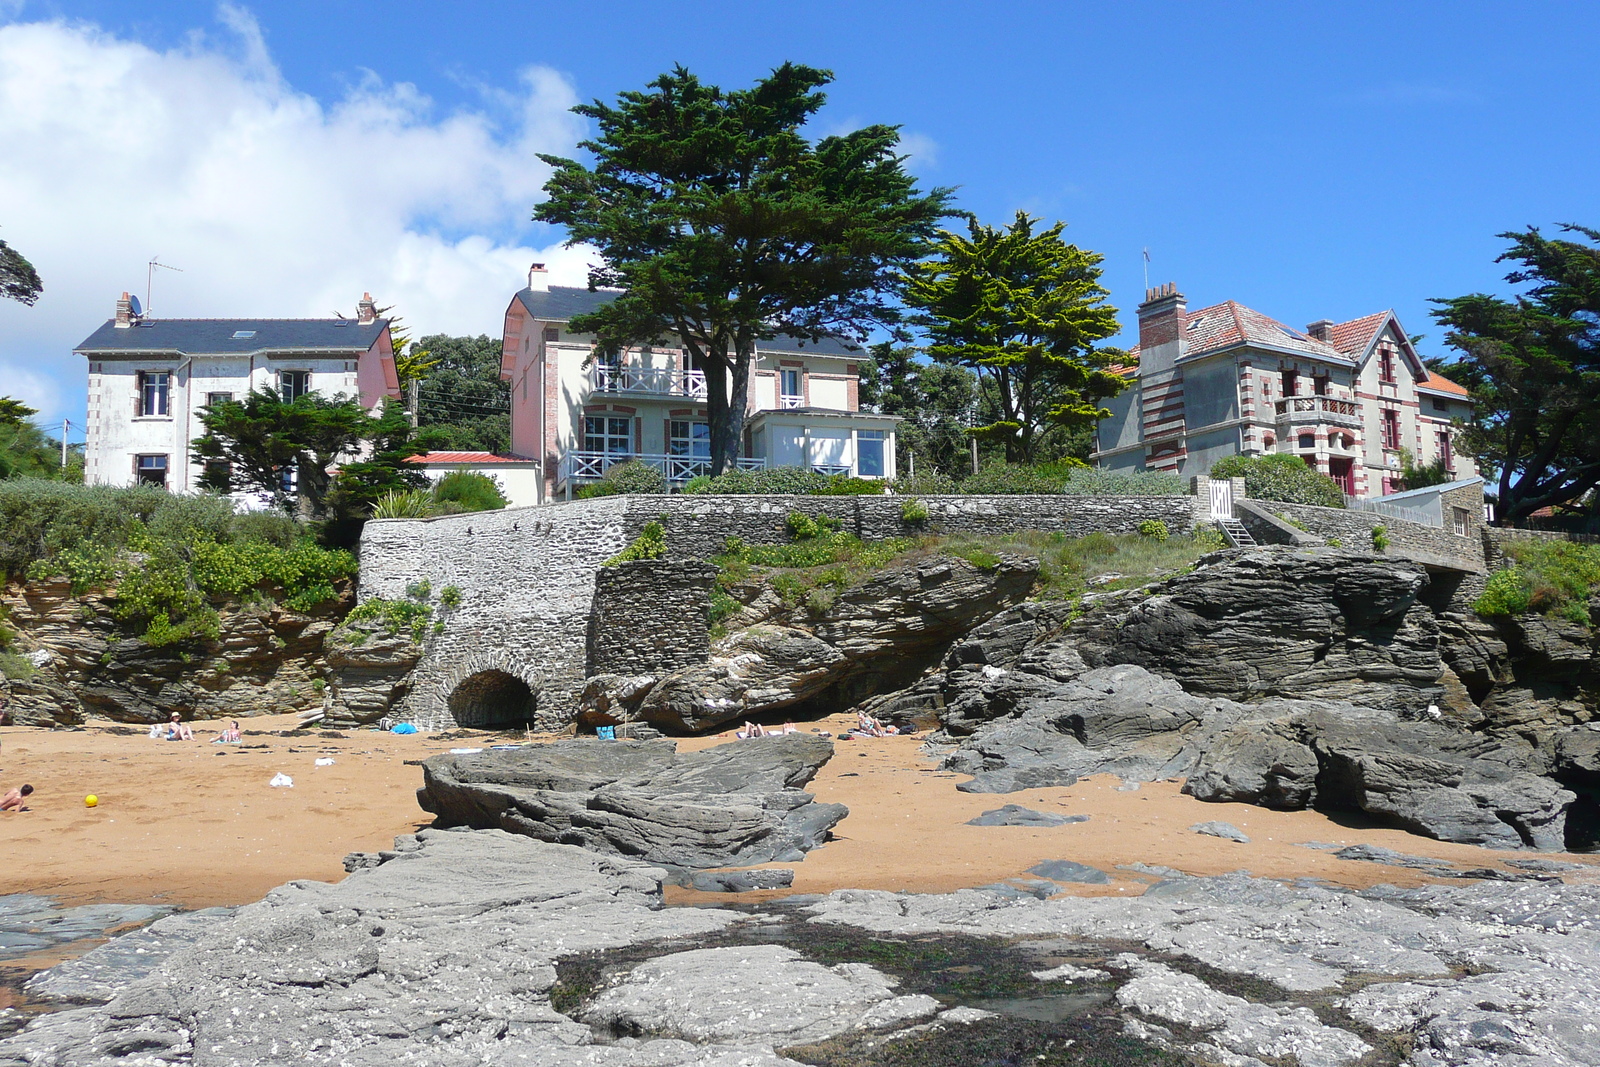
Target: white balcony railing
{"x": 661, "y": 381}
{"x": 789, "y": 400}
{"x": 1318, "y": 409}
{"x": 591, "y": 466}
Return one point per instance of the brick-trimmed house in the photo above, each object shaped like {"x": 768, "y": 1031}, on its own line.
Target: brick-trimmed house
{"x": 1227, "y": 380}
{"x": 149, "y": 378}
{"x": 578, "y": 412}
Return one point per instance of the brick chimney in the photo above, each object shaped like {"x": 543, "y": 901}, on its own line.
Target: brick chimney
{"x": 124, "y": 312}
{"x": 1321, "y": 330}
{"x": 1161, "y": 340}
{"x": 538, "y": 278}
{"x": 366, "y": 311}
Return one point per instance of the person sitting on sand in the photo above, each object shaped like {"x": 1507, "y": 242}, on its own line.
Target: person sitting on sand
{"x": 230, "y": 736}
{"x": 178, "y": 730}
{"x": 12, "y": 801}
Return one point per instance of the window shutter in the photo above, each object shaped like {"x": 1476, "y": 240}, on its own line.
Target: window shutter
{"x": 138, "y": 401}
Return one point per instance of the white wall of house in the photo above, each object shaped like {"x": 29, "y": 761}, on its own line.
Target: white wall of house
{"x": 135, "y": 422}
{"x": 519, "y": 483}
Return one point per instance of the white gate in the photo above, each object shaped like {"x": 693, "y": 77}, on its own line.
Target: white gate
{"x": 1221, "y": 498}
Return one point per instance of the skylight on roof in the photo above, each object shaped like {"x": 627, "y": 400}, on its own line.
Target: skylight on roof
{"x": 1196, "y": 321}
{"x": 243, "y": 335}
{"x": 1297, "y": 335}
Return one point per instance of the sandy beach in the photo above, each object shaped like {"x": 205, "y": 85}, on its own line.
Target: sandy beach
{"x": 197, "y": 824}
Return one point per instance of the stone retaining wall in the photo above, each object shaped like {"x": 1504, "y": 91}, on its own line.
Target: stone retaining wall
{"x": 650, "y": 617}
{"x": 1428, "y": 545}
{"x": 697, "y": 526}
{"x": 527, "y": 575}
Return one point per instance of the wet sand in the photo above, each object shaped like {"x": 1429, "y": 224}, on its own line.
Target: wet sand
{"x": 196, "y": 824}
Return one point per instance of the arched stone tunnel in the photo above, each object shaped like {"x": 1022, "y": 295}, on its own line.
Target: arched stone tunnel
{"x": 493, "y": 698}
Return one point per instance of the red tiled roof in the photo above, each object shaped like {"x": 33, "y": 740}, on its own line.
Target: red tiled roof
{"x": 1231, "y": 323}
{"x": 1443, "y": 385}
{"x": 469, "y": 458}
{"x": 1354, "y": 337}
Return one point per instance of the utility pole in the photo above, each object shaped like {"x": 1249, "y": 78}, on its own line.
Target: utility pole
{"x": 974, "y": 441}
{"x": 66, "y": 428}
{"x": 413, "y": 391}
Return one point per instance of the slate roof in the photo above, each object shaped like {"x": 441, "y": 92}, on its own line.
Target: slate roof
{"x": 562, "y": 302}
{"x": 208, "y": 337}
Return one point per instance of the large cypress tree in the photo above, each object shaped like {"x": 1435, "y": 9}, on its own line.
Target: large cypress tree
{"x": 724, "y": 225}
{"x": 1025, "y": 311}
{"x": 1532, "y": 364}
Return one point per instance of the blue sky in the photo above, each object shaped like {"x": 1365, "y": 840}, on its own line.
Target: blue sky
{"x": 1310, "y": 161}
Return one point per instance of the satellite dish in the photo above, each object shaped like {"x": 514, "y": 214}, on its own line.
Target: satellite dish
{"x": 133, "y": 306}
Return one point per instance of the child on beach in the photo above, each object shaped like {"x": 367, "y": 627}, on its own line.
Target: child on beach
{"x": 230, "y": 736}
{"x": 13, "y": 801}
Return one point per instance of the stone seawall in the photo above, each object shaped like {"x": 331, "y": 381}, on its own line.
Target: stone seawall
{"x": 697, "y": 526}
{"x": 650, "y": 617}
{"x": 1428, "y": 545}
{"x": 527, "y": 577}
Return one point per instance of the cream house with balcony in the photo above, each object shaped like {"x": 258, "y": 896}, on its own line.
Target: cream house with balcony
{"x": 577, "y": 411}
{"x": 1349, "y": 398}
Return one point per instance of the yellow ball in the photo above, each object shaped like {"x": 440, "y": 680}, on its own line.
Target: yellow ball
{"x": 90, "y": 801}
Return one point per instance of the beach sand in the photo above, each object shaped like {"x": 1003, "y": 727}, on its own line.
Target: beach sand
{"x": 192, "y": 824}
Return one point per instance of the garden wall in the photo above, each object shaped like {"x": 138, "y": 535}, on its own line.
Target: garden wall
{"x": 527, "y": 576}
{"x": 650, "y": 616}
{"x": 1427, "y": 545}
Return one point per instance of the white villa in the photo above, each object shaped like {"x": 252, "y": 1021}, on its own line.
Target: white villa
{"x": 149, "y": 378}
{"x": 578, "y": 412}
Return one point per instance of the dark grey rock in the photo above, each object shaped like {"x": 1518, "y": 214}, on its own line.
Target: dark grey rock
{"x": 1256, "y": 765}
{"x": 1014, "y": 815}
{"x": 736, "y": 804}
{"x": 869, "y": 639}
{"x": 1068, "y": 871}
{"x": 740, "y": 881}
{"x": 1224, "y": 830}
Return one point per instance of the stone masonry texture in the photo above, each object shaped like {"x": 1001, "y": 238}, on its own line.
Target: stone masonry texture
{"x": 527, "y": 576}
{"x": 650, "y": 617}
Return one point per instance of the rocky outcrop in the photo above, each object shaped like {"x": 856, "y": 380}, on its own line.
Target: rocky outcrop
{"x": 1289, "y": 622}
{"x": 368, "y": 670}
{"x": 264, "y": 661}
{"x": 461, "y": 949}
{"x": 737, "y": 804}
{"x": 875, "y": 637}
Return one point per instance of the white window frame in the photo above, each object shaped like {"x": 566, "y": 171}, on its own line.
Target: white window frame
{"x": 285, "y": 377}
{"x": 212, "y": 399}
{"x": 786, "y": 398}
{"x": 684, "y": 440}
{"x": 881, "y": 439}
{"x": 155, "y": 391}
{"x": 612, "y": 430}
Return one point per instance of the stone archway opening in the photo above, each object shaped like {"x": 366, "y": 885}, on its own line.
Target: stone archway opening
{"x": 492, "y": 699}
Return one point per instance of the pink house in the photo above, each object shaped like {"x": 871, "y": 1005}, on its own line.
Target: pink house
{"x": 578, "y": 412}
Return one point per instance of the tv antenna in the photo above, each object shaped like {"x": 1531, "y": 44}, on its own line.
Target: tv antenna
{"x": 149, "y": 275}
{"x": 1147, "y": 268}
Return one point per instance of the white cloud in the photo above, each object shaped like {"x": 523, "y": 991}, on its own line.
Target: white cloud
{"x": 272, "y": 203}
{"x": 922, "y": 149}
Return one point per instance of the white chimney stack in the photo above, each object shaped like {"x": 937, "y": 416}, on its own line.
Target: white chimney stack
{"x": 538, "y": 278}
{"x": 366, "y": 311}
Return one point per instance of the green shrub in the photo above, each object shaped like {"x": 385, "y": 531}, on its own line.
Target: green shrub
{"x": 927, "y": 484}
{"x": 844, "y": 485}
{"x": 766, "y": 480}
{"x": 697, "y": 484}
{"x": 396, "y": 617}
{"x": 1012, "y": 478}
{"x": 1380, "y": 538}
{"x": 630, "y": 476}
{"x": 1154, "y": 528}
{"x": 463, "y": 491}
{"x": 650, "y": 544}
{"x": 1548, "y": 577}
{"x": 913, "y": 510}
{"x": 406, "y": 504}
{"x": 450, "y": 596}
{"x": 1334, "y": 542}
{"x": 1280, "y": 476}
{"x": 1209, "y": 538}
{"x": 267, "y": 527}
{"x": 1093, "y": 481}
{"x": 803, "y": 527}
{"x": 419, "y": 590}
